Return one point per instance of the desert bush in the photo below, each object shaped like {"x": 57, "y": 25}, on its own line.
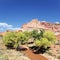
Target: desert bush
{"x": 42, "y": 38}
{"x": 50, "y": 36}
{"x": 9, "y": 39}
{"x": 14, "y": 39}
{"x": 47, "y": 38}
{"x": 38, "y": 43}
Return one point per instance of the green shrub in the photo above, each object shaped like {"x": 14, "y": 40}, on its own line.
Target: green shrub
{"x": 50, "y": 36}
{"x": 38, "y": 43}
{"x": 9, "y": 38}
{"x": 42, "y": 38}
{"x": 14, "y": 39}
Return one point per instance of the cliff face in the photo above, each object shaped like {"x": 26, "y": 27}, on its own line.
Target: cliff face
{"x": 35, "y": 24}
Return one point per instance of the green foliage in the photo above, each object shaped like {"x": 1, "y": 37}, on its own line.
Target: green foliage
{"x": 21, "y": 37}
{"x": 27, "y": 35}
{"x": 42, "y": 42}
{"x": 46, "y": 39}
{"x": 9, "y": 39}
{"x": 14, "y": 39}
{"x": 35, "y": 34}
{"x": 38, "y": 43}
{"x": 42, "y": 38}
{"x": 50, "y": 36}
{"x": 41, "y": 32}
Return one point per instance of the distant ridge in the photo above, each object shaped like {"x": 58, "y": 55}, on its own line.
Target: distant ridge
{"x": 36, "y": 24}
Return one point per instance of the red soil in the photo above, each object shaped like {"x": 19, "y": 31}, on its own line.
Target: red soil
{"x": 33, "y": 56}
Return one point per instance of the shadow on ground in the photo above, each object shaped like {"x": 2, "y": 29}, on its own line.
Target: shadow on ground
{"x": 38, "y": 50}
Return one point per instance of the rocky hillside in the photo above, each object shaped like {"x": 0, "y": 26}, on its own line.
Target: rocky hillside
{"x": 36, "y": 24}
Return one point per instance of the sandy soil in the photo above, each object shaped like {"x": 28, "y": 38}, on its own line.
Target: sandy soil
{"x": 33, "y": 56}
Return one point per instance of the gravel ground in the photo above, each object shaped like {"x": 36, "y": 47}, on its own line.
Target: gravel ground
{"x": 49, "y": 57}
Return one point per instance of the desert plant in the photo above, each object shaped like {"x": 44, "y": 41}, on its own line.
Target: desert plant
{"x": 50, "y": 36}
{"x": 38, "y": 43}
{"x": 21, "y": 37}
{"x": 9, "y": 39}
{"x": 43, "y": 42}
{"x": 46, "y": 39}
{"x": 34, "y": 34}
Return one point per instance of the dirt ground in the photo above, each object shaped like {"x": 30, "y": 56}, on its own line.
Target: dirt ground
{"x": 33, "y": 56}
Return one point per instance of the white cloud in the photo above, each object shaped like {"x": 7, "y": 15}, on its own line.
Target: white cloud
{"x": 13, "y": 28}
{"x": 5, "y": 26}
{"x": 57, "y": 22}
{"x": 43, "y": 21}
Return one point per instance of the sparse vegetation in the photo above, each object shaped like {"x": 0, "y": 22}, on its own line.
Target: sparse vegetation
{"x": 42, "y": 39}
{"x": 46, "y": 38}
{"x": 13, "y": 39}
{"x": 9, "y": 39}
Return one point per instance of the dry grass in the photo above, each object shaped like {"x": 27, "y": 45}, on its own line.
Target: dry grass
{"x": 11, "y": 54}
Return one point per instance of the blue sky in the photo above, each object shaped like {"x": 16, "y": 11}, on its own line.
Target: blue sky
{"x": 14, "y": 13}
